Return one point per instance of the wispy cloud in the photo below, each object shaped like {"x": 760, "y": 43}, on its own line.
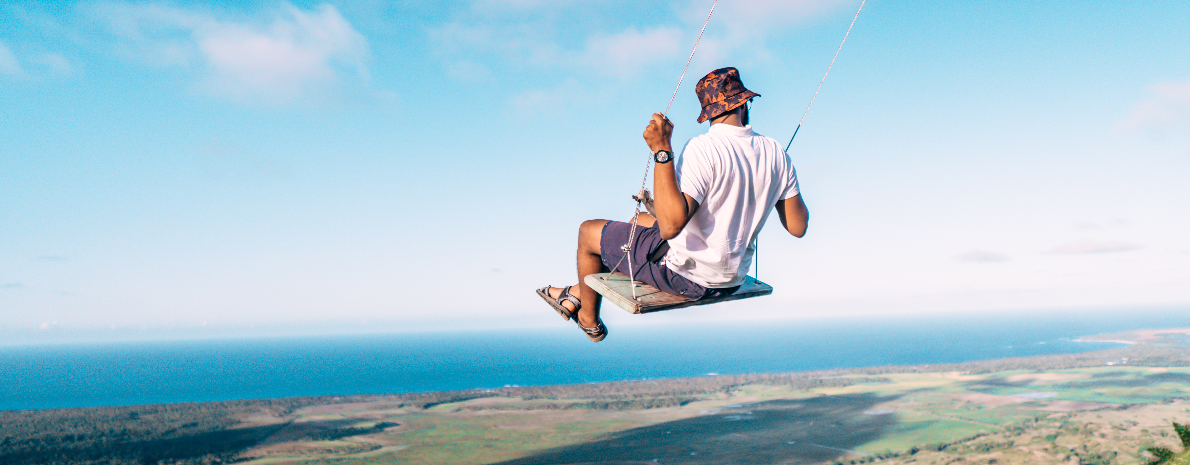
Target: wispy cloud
{"x": 561, "y": 98}
{"x": 8, "y": 62}
{"x": 218, "y": 159}
{"x": 758, "y": 18}
{"x": 489, "y": 33}
{"x": 284, "y": 60}
{"x": 292, "y": 55}
{"x": 624, "y": 55}
{"x": 745, "y": 26}
{"x": 468, "y": 71}
{"x": 33, "y": 65}
{"x": 48, "y": 325}
{"x": 1092, "y": 247}
{"x": 518, "y": 5}
{"x": 11, "y": 286}
{"x": 1166, "y": 106}
{"x": 630, "y": 51}
{"x": 52, "y": 258}
{"x": 982, "y": 256}
{"x": 53, "y": 64}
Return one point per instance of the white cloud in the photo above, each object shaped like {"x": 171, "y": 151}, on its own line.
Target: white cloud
{"x": 565, "y": 97}
{"x": 630, "y": 52}
{"x": 982, "y": 256}
{"x": 34, "y": 64}
{"x": 155, "y": 34}
{"x": 497, "y": 45}
{"x": 738, "y": 29}
{"x": 292, "y": 56}
{"x": 468, "y": 71}
{"x": 297, "y": 55}
{"x": 1166, "y": 106}
{"x": 8, "y": 62}
{"x": 219, "y": 159}
{"x": 54, "y": 64}
{"x": 517, "y": 5}
{"x": 760, "y": 17}
{"x": 625, "y": 55}
{"x": 564, "y": 40}
{"x": 1090, "y": 247}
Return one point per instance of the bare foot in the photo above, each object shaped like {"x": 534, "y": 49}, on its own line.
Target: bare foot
{"x": 584, "y": 319}
{"x": 556, "y": 292}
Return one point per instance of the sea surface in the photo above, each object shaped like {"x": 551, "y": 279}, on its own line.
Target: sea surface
{"x": 57, "y": 376}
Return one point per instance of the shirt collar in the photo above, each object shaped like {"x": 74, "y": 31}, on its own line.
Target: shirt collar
{"x": 729, "y": 130}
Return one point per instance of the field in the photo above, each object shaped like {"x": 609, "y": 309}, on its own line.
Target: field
{"x": 1090, "y": 408}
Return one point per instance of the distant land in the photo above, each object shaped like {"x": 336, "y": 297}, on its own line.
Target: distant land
{"x": 1085, "y": 408}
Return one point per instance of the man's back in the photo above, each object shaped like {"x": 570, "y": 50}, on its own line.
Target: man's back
{"x": 736, "y": 176}
{"x": 709, "y": 206}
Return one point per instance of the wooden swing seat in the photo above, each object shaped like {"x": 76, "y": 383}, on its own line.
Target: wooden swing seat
{"x": 616, "y": 287}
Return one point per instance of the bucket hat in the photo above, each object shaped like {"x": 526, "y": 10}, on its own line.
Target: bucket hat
{"x": 721, "y": 91}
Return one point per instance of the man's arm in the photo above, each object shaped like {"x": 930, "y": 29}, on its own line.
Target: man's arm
{"x": 794, "y": 215}
{"x": 674, "y": 208}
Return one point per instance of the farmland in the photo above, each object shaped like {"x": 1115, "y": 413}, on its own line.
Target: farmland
{"x": 1095, "y": 407}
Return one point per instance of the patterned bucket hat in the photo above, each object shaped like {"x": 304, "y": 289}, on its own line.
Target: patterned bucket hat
{"x": 720, "y": 91}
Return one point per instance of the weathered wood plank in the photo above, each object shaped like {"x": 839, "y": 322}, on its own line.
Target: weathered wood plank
{"x": 615, "y": 288}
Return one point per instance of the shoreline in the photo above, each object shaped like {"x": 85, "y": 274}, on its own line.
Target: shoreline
{"x": 1115, "y": 356}
{"x": 396, "y": 379}
{"x": 846, "y": 414}
{"x": 1117, "y": 341}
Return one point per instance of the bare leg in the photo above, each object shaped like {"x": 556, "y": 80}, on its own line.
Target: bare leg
{"x": 589, "y": 262}
{"x": 645, "y": 220}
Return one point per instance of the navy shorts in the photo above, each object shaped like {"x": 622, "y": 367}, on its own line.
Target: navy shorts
{"x": 656, "y": 274}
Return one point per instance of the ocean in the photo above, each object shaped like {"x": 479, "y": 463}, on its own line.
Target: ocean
{"x": 58, "y": 376}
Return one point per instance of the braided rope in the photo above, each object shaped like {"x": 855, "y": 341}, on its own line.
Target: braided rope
{"x": 828, "y": 71}
{"x": 691, "y": 58}
{"x": 627, "y": 248}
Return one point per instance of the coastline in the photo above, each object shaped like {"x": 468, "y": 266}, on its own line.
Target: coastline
{"x": 1117, "y": 341}
{"x": 900, "y": 414}
{"x": 1140, "y": 336}
{"x": 222, "y": 370}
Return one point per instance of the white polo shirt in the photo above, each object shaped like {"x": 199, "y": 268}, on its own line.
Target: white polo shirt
{"x": 736, "y": 176}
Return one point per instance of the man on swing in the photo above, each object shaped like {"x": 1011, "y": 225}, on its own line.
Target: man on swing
{"x": 710, "y": 205}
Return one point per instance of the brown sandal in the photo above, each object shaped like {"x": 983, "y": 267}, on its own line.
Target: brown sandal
{"x": 595, "y": 334}
{"x": 557, "y": 303}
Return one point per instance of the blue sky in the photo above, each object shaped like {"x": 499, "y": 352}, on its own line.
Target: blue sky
{"x": 201, "y": 168}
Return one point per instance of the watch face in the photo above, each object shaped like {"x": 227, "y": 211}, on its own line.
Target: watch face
{"x": 662, "y": 156}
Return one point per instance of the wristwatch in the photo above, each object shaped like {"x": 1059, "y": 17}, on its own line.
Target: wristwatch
{"x": 663, "y": 156}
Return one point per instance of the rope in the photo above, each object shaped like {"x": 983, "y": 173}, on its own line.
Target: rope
{"x": 828, "y": 71}
{"x": 691, "y": 58}
{"x": 627, "y": 248}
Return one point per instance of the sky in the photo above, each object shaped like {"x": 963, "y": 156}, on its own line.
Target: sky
{"x": 200, "y": 169}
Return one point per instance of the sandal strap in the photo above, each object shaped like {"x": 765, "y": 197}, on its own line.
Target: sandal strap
{"x": 566, "y": 295}
{"x": 597, "y": 330}
{"x": 597, "y": 333}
